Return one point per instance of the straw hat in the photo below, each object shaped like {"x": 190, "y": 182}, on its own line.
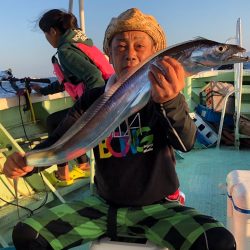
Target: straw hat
{"x": 134, "y": 19}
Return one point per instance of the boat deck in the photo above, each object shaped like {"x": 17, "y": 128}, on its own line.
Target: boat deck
{"x": 203, "y": 174}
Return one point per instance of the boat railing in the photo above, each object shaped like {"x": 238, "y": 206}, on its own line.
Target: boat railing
{"x": 238, "y": 78}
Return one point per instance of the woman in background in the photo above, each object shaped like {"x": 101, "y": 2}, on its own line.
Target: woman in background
{"x": 78, "y": 71}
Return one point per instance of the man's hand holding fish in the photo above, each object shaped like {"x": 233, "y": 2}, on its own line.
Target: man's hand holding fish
{"x": 167, "y": 79}
{"x": 15, "y": 166}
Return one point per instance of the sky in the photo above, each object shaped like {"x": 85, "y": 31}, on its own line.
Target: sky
{"x": 24, "y": 49}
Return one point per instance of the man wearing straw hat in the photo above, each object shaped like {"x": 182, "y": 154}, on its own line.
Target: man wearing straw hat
{"x": 132, "y": 185}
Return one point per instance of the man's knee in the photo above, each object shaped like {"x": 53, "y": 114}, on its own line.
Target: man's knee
{"x": 25, "y": 237}
{"x": 215, "y": 239}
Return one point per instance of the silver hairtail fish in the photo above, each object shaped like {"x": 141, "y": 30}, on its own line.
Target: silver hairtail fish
{"x": 127, "y": 96}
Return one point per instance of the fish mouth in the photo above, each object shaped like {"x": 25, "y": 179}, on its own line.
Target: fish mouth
{"x": 238, "y": 59}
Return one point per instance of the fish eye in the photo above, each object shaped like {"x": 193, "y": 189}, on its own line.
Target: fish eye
{"x": 221, "y": 48}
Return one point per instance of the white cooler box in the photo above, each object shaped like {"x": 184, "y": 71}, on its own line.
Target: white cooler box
{"x": 238, "y": 207}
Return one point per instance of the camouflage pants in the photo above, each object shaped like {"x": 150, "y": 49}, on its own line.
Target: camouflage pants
{"x": 166, "y": 224}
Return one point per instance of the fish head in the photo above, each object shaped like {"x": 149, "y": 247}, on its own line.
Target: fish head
{"x": 203, "y": 54}
{"x": 221, "y": 54}
{"x": 212, "y": 54}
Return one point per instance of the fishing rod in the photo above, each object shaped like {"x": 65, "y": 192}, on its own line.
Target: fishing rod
{"x": 27, "y": 81}
{"x": 26, "y": 90}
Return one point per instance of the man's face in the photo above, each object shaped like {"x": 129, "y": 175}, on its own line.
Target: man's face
{"x": 129, "y": 48}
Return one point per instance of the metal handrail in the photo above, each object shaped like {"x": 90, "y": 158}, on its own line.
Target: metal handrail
{"x": 238, "y": 76}
{"x": 223, "y": 115}
{"x": 238, "y": 86}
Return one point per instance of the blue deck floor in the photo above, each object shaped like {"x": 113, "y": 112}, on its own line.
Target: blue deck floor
{"x": 203, "y": 174}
